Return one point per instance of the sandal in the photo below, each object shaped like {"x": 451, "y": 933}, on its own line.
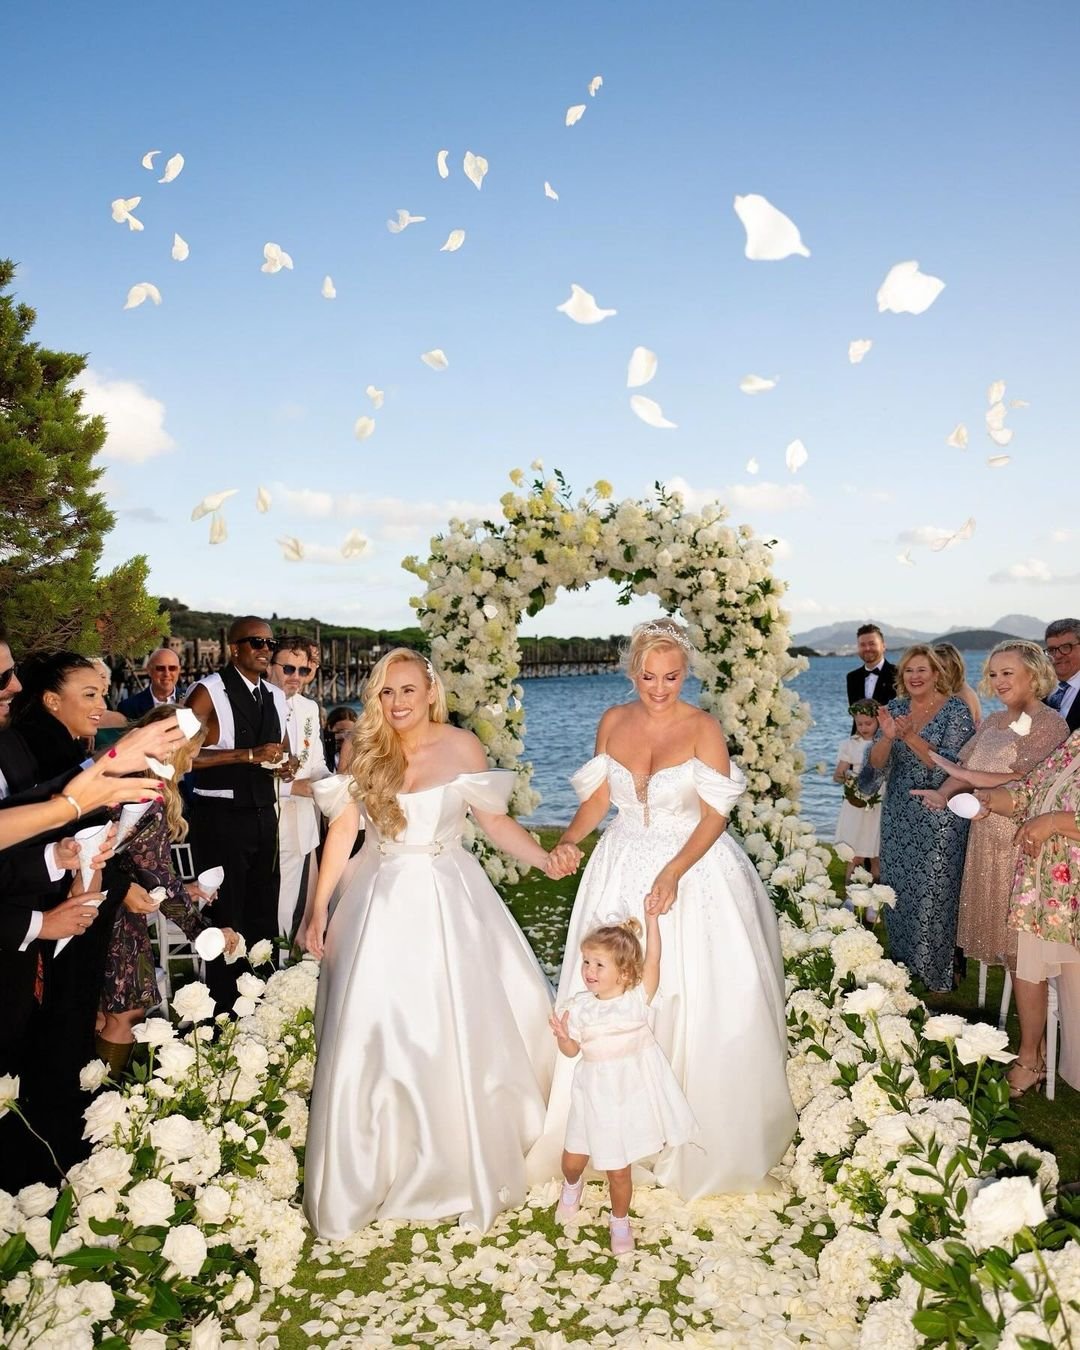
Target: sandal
{"x": 1038, "y": 1079}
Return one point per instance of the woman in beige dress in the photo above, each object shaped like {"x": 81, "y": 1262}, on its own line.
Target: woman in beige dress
{"x": 1006, "y": 746}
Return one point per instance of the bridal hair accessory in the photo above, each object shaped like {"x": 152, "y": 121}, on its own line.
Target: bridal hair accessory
{"x": 430, "y": 670}
{"x": 658, "y": 630}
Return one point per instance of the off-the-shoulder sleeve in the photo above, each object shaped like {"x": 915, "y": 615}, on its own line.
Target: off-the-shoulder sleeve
{"x": 591, "y": 776}
{"x": 332, "y": 795}
{"x": 488, "y": 791}
{"x": 718, "y": 790}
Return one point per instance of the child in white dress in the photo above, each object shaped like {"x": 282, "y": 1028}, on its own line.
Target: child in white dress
{"x": 859, "y": 822}
{"x": 626, "y": 1103}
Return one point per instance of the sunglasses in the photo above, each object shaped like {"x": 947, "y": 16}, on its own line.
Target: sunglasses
{"x": 165, "y": 670}
{"x": 257, "y": 644}
{"x": 5, "y": 678}
{"x": 305, "y": 671}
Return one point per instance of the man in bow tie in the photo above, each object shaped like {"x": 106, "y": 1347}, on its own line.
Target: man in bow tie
{"x": 876, "y": 677}
{"x": 1063, "y": 649}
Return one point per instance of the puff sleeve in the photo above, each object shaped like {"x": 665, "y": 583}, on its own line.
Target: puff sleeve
{"x": 333, "y": 795}
{"x": 490, "y": 791}
{"x": 590, "y": 777}
{"x": 720, "y": 791}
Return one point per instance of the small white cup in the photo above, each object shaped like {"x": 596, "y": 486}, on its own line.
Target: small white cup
{"x": 130, "y": 815}
{"x": 63, "y": 942}
{"x": 966, "y": 805}
{"x": 209, "y": 882}
{"x": 210, "y": 943}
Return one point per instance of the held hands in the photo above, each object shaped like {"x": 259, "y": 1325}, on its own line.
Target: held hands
{"x": 72, "y": 917}
{"x": 664, "y": 891}
{"x": 267, "y": 754}
{"x": 1034, "y": 833}
{"x": 563, "y": 861}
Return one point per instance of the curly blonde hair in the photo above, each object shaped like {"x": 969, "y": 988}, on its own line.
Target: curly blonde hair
{"x": 378, "y": 762}
{"x": 1030, "y": 655}
{"x": 620, "y": 941}
{"x": 657, "y": 635}
{"x": 181, "y": 759}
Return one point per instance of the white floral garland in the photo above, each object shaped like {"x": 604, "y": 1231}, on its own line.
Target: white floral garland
{"x": 482, "y": 577}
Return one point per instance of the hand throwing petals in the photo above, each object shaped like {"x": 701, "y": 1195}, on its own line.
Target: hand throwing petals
{"x": 858, "y": 349}
{"x": 355, "y": 545}
{"x": 595, "y": 84}
{"x": 292, "y": 550}
{"x": 329, "y": 290}
{"x": 454, "y": 241}
{"x": 650, "y": 412}
{"x": 376, "y": 396}
{"x": 958, "y": 437}
{"x": 147, "y": 160}
{"x": 906, "y": 290}
{"x": 213, "y": 502}
{"x": 770, "y": 235}
{"x": 180, "y": 249}
{"x": 173, "y": 169}
{"x": 641, "y": 367}
{"x": 475, "y": 166}
{"x": 757, "y": 384}
{"x": 143, "y": 290}
{"x": 582, "y": 307}
{"x": 363, "y": 428}
{"x": 795, "y": 456}
{"x": 575, "y": 114}
{"x": 262, "y": 500}
{"x": 440, "y": 163}
{"x": 219, "y": 531}
{"x": 549, "y": 191}
{"x": 436, "y": 359}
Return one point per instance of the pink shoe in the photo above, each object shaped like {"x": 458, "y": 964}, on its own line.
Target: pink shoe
{"x": 622, "y": 1235}
{"x": 570, "y": 1200}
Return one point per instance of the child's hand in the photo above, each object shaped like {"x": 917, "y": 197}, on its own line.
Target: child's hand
{"x": 652, "y": 908}
{"x": 560, "y": 1026}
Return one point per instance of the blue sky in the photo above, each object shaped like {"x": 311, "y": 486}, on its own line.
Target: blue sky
{"x": 943, "y": 133}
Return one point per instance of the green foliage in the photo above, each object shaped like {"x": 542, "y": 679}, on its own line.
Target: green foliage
{"x": 52, "y": 520}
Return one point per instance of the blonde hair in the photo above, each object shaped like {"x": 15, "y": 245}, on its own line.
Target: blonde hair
{"x": 181, "y": 759}
{"x": 941, "y": 683}
{"x": 621, "y": 942}
{"x": 378, "y": 762}
{"x": 1032, "y": 657}
{"x": 952, "y": 664}
{"x": 656, "y": 635}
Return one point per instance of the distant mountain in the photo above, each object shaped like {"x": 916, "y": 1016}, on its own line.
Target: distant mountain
{"x": 975, "y": 639}
{"x": 840, "y": 637}
{"x": 1022, "y": 625}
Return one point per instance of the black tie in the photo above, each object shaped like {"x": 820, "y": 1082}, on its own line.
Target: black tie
{"x": 257, "y": 695}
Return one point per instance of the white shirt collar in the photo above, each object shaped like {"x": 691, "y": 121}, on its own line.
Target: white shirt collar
{"x": 251, "y": 687}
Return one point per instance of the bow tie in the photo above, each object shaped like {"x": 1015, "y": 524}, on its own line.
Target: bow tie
{"x": 875, "y": 671}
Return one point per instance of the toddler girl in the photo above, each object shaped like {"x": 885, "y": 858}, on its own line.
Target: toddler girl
{"x": 625, "y": 1102}
{"x": 859, "y": 822}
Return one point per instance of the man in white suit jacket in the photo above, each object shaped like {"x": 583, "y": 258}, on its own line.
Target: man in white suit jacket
{"x": 298, "y": 827}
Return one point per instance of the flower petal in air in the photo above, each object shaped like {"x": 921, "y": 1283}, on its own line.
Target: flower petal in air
{"x": 173, "y": 168}
{"x": 122, "y": 208}
{"x": 454, "y": 241}
{"x": 752, "y": 466}
{"x": 641, "y": 367}
{"x": 180, "y": 249}
{"x": 404, "y": 219}
{"x": 363, "y": 428}
{"x": 475, "y": 167}
{"x": 582, "y": 307}
{"x": 795, "y": 456}
{"x": 440, "y": 163}
{"x": 906, "y": 290}
{"x": 292, "y": 550}
{"x": 595, "y": 84}
{"x": 262, "y": 500}
{"x": 376, "y": 396}
{"x": 757, "y": 384}
{"x": 212, "y": 502}
{"x": 575, "y": 114}
{"x": 355, "y": 545}
{"x": 436, "y": 359}
{"x": 770, "y": 235}
{"x": 147, "y": 160}
{"x": 219, "y": 531}
{"x": 948, "y": 540}
{"x": 996, "y": 392}
{"x": 858, "y": 349}
{"x": 275, "y": 258}
{"x": 549, "y": 191}
{"x": 958, "y": 437}
{"x": 650, "y": 412}
{"x": 998, "y": 461}
{"x": 143, "y": 290}
{"x": 329, "y": 290}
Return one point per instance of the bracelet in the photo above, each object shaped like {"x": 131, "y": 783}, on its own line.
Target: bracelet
{"x": 71, "y": 800}
{"x": 251, "y": 756}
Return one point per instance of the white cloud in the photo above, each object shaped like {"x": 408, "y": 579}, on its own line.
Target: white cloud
{"x": 135, "y": 419}
{"x": 781, "y": 549}
{"x": 923, "y": 534}
{"x": 1034, "y": 572}
{"x": 390, "y": 517}
{"x": 743, "y": 496}
{"x": 1062, "y": 536}
{"x": 870, "y": 494}
{"x": 327, "y": 553}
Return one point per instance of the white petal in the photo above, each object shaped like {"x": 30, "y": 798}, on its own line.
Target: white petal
{"x": 905, "y": 558}
{"x": 180, "y": 248}
{"x": 641, "y": 368}
{"x": 262, "y": 500}
{"x": 906, "y": 290}
{"x": 212, "y": 503}
{"x": 163, "y": 770}
{"x": 575, "y": 114}
{"x": 218, "y": 529}
{"x": 276, "y": 258}
{"x": 594, "y": 84}
{"x": 475, "y": 167}
{"x": 1000, "y": 435}
{"x": 454, "y": 241}
{"x": 948, "y": 540}
{"x": 143, "y": 290}
{"x": 376, "y": 396}
{"x": 436, "y": 359}
{"x": 1019, "y": 403}
{"x": 770, "y": 235}
{"x": 355, "y": 545}
{"x": 440, "y": 163}
{"x": 998, "y": 461}
{"x": 958, "y": 437}
{"x": 147, "y": 160}
{"x": 757, "y": 384}
{"x": 795, "y": 456}
{"x": 363, "y": 428}
{"x": 996, "y": 392}
{"x": 752, "y": 465}
{"x": 858, "y": 349}
{"x": 549, "y": 191}
{"x": 152, "y": 292}
{"x": 650, "y": 412}
{"x": 995, "y": 416}
{"x": 292, "y": 550}
{"x": 329, "y": 291}
{"x": 173, "y": 167}
{"x": 582, "y": 307}
{"x": 121, "y": 206}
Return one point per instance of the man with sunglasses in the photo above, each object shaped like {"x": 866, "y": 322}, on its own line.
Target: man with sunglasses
{"x": 9, "y": 683}
{"x": 234, "y": 805}
{"x": 1063, "y": 649}
{"x": 298, "y": 824}
{"x": 163, "y": 667}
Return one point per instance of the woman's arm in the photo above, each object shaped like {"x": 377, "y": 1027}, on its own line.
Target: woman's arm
{"x": 996, "y": 799}
{"x": 1035, "y": 832}
{"x": 710, "y": 748}
{"x": 882, "y": 746}
{"x": 843, "y": 768}
{"x": 339, "y": 841}
{"x": 588, "y": 816}
{"x": 510, "y": 837}
{"x": 650, "y": 976}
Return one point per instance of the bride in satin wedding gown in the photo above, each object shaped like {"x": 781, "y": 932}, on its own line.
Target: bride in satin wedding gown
{"x": 720, "y": 1007}
{"x": 434, "y": 1056}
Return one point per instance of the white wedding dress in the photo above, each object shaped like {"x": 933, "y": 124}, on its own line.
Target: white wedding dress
{"x": 434, "y": 1052}
{"x": 720, "y": 1005}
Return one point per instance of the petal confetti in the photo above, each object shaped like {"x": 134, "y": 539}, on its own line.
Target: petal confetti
{"x": 752, "y": 466}
{"x": 475, "y": 166}
{"x": 582, "y": 307}
{"x": 641, "y": 367}
{"x": 143, "y": 290}
{"x": 998, "y": 461}
{"x": 173, "y": 169}
{"x": 650, "y": 412}
{"x": 575, "y": 114}
{"x": 219, "y": 531}
{"x": 948, "y": 540}
{"x": 858, "y": 349}
{"x": 906, "y": 290}
{"x": 958, "y": 437}
{"x": 363, "y": 428}
{"x": 454, "y": 241}
{"x": 549, "y": 191}
{"x": 262, "y": 500}
{"x": 329, "y": 290}
{"x": 795, "y": 456}
{"x": 122, "y": 208}
{"x": 292, "y": 550}
{"x": 275, "y": 258}
{"x": 595, "y": 83}
{"x": 440, "y": 163}
{"x": 436, "y": 359}
{"x": 180, "y": 249}
{"x": 212, "y": 502}
{"x": 355, "y": 545}
{"x": 404, "y": 220}
{"x": 147, "y": 160}
{"x": 757, "y": 384}
{"x": 770, "y": 235}
{"x": 996, "y": 392}
{"x": 376, "y": 396}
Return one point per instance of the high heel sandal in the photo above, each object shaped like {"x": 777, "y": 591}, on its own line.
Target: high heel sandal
{"x": 1038, "y": 1080}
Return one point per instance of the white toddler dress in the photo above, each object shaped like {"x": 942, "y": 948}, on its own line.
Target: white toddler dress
{"x": 625, "y": 1102}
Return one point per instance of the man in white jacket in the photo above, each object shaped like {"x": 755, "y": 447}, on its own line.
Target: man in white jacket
{"x": 298, "y": 827}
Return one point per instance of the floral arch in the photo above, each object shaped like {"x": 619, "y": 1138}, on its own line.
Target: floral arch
{"x": 482, "y": 577}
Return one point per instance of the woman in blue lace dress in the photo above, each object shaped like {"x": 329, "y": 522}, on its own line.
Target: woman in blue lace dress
{"x": 922, "y": 850}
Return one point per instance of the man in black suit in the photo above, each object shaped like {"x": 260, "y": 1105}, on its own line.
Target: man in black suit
{"x": 1063, "y": 649}
{"x": 163, "y": 667}
{"x": 876, "y": 677}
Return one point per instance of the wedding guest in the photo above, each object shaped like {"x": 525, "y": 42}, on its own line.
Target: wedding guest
{"x": 922, "y": 852}
{"x": 859, "y": 823}
{"x": 111, "y": 720}
{"x": 956, "y": 681}
{"x": 163, "y": 668}
{"x": 1006, "y": 746}
{"x": 298, "y": 822}
{"x": 340, "y": 725}
{"x": 1063, "y": 649}
{"x": 625, "y": 1102}
{"x": 234, "y": 807}
{"x": 9, "y": 682}
{"x": 1044, "y": 910}
{"x": 876, "y": 677}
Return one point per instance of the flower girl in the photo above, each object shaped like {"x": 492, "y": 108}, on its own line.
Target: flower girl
{"x": 625, "y": 1101}
{"x": 859, "y": 822}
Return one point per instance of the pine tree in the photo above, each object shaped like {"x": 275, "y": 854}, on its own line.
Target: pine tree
{"x": 52, "y": 520}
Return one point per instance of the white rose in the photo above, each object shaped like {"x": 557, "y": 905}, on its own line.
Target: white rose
{"x": 92, "y": 1075}
{"x": 154, "y": 1031}
{"x": 207, "y": 1335}
{"x": 868, "y": 1000}
{"x": 944, "y": 1027}
{"x": 185, "y": 1247}
{"x": 97, "y": 1299}
{"x": 845, "y": 852}
{"x": 999, "y": 1210}
{"x": 213, "y": 1204}
{"x": 981, "y": 1041}
{"x": 251, "y": 1056}
{"x": 244, "y": 1007}
{"x": 103, "y": 1115}
{"x": 193, "y": 1003}
{"x": 148, "y": 1340}
{"x": 261, "y": 953}
{"x": 176, "y": 1137}
{"x": 38, "y": 1234}
{"x": 150, "y": 1202}
{"x": 250, "y": 985}
{"x": 106, "y": 1169}
{"x": 37, "y": 1199}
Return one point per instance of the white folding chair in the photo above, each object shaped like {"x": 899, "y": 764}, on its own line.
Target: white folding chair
{"x": 1051, "y": 1027}
{"x": 172, "y": 943}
